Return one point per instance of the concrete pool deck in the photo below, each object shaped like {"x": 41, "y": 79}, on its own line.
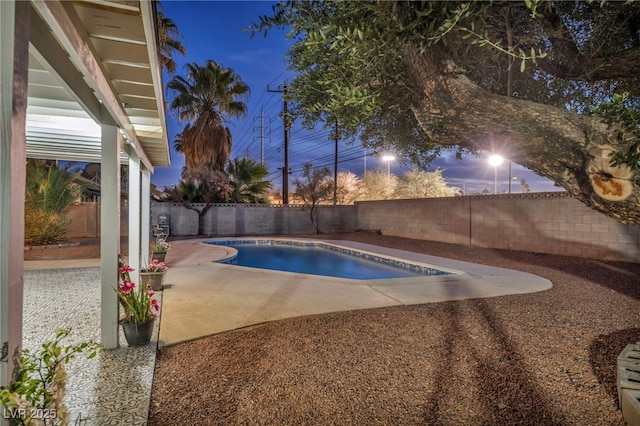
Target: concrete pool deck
{"x": 202, "y": 297}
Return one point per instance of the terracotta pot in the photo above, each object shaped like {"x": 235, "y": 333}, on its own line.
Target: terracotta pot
{"x": 158, "y": 256}
{"x": 156, "y": 279}
{"x": 138, "y": 334}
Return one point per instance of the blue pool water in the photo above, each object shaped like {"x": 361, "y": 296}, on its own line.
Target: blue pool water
{"x": 318, "y": 260}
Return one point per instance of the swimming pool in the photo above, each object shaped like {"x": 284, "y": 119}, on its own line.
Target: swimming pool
{"x": 318, "y": 258}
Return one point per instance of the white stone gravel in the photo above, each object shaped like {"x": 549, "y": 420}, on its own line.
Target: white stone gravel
{"x": 112, "y": 389}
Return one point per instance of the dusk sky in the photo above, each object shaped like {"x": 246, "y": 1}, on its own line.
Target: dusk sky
{"x": 214, "y": 30}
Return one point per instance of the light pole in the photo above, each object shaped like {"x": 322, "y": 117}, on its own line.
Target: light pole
{"x": 388, "y": 159}
{"x": 365, "y": 163}
{"x": 495, "y": 161}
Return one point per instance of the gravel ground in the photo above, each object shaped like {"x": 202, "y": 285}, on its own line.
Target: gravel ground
{"x": 537, "y": 359}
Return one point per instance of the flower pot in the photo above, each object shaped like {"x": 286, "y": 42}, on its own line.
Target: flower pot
{"x": 138, "y": 334}
{"x": 158, "y": 256}
{"x": 156, "y": 279}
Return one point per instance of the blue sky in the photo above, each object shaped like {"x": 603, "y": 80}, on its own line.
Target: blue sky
{"x": 214, "y": 30}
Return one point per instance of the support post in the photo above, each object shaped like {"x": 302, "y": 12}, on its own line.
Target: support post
{"x": 110, "y": 234}
{"x": 134, "y": 216}
{"x": 145, "y": 214}
{"x": 14, "y": 47}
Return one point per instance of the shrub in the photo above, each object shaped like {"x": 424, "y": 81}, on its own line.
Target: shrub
{"x": 49, "y": 191}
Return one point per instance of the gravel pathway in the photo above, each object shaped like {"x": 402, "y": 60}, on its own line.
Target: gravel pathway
{"x": 542, "y": 359}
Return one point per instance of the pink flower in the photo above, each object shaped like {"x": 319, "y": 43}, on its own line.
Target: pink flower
{"x": 125, "y": 268}
{"x": 154, "y": 304}
{"x": 127, "y": 286}
{"x": 150, "y": 292}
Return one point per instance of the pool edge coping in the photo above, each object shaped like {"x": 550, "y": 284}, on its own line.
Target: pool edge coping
{"x": 336, "y": 247}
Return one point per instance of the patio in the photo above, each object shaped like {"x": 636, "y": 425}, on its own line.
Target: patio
{"x": 114, "y": 387}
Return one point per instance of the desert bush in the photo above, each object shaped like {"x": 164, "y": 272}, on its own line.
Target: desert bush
{"x": 49, "y": 191}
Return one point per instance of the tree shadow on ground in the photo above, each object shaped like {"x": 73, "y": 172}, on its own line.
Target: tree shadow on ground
{"x": 621, "y": 277}
{"x": 603, "y": 354}
{"x": 506, "y": 391}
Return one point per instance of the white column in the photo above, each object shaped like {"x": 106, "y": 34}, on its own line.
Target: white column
{"x": 145, "y": 215}
{"x": 134, "y": 216}
{"x": 110, "y": 233}
{"x": 14, "y": 45}
{"x": 7, "y": 16}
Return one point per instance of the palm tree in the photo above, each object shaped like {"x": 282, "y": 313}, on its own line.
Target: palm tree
{"x": 209, "y": 96}
{"x": 246, "y": 178}
{"x": 168, "y": 40}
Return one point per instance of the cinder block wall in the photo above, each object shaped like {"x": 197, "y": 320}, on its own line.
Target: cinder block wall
{"x": 435, "y": 219}
{"x": 550, "y": 222}
{"x": 247, "y": 219}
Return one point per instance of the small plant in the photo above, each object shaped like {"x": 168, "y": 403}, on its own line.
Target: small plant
{"x": 36, "y": 393}
{"x": 155, "y": 266}
{"x": 161, "y": 246}
{"x": 139, "y": 305}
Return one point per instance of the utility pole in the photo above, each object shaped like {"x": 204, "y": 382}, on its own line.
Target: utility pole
{"x": 285, "y": 169}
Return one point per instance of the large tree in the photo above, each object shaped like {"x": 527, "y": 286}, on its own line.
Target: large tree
{"x": 313, "y": 188}
{"x": 540, "y": 82}
{"x": 206, "y": 99}
{"x": 420, "y": 184}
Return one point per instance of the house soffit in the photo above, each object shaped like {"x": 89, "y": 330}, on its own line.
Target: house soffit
{"x": 91, "y": 62}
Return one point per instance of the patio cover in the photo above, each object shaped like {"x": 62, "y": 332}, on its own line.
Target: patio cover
{"x": 86, "y": 85}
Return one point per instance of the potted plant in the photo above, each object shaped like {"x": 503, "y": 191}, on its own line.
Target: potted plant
{"x": 139, "y": 306}
{"x": 159, "y": 249}
{"x": 153, "y": 274}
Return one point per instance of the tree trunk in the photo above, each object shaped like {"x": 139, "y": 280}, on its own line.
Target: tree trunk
{"x": 454, "y": 111}
{"x": 313, "y": 214}
{"x": 201, "y": 214}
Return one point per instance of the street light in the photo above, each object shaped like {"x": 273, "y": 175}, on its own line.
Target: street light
{"x": 495, "y": 161}
{"x": 388, "y": 159}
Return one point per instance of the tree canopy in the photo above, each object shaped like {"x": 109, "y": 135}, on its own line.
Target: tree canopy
{"x": 206, "y": 98}
{"x": 552, "y": 86}
{"x": 168, "y": 40}
{"x": 313, "y": 188}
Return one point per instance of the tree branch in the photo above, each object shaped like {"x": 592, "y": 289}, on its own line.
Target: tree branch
{"x": 454, "y": 111}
